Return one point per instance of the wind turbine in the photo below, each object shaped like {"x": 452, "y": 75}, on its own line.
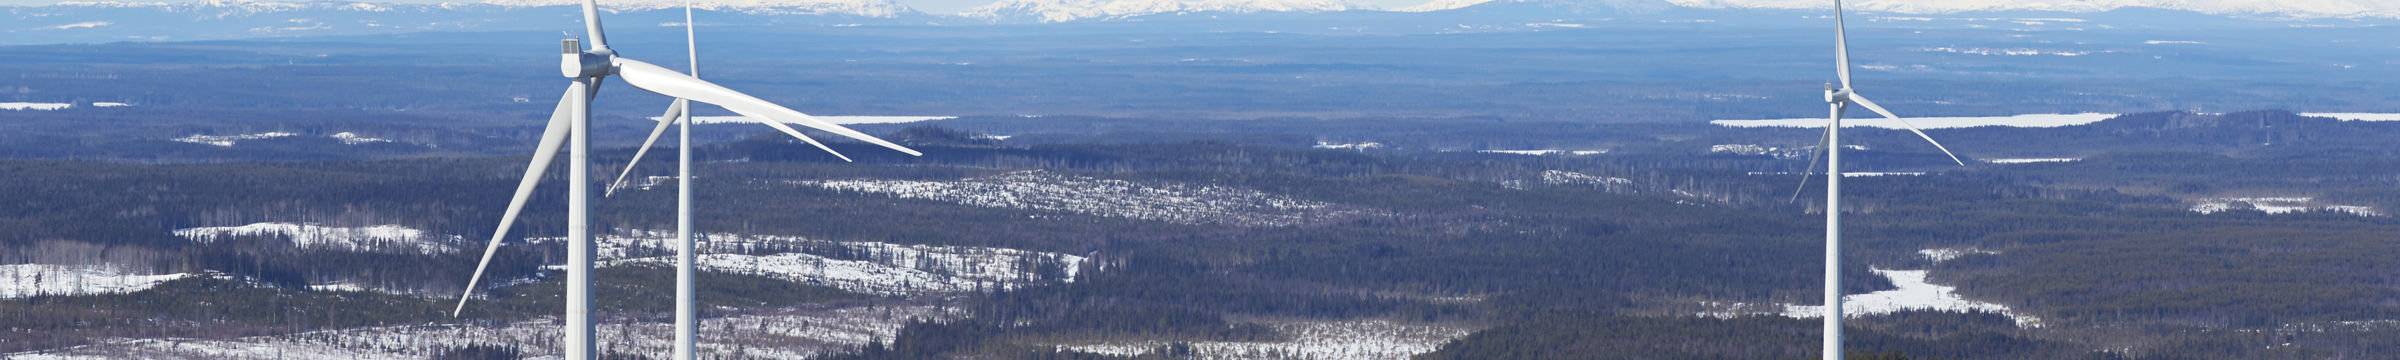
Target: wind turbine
{"x": 1830, "y": 146}
{"x": 572, "y": 120}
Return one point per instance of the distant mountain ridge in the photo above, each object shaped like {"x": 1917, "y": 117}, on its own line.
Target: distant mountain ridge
{"x": 1071, "y": 10}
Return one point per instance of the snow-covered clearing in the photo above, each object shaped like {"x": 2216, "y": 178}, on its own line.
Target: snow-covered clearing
{"x": 862, "y": 266}
{"x": 350, "y": 138}
{"x": 1546, "y": 152}
{"x": 2022, "y": 121}
{"x": 1562, "y": 177}
{"x": 20, "y": 106}
{"x": 1848, "y": 174}
{"x": 2031, "y": 160}
{"x": 779, "y": 334}
{"x": 26, "y": 280}
{"x": 1355, "y": 146}
{"x": 2357, "y": 116}
{"x": 393, "y": 238}
{"x": 1147, "y": 200}
{"x": 1913, "y": 293}
{"x": 1777, "y": 152}
{"x": 2277, "y": 205}
{"x": 1941, "y": 255}
{"x": 229, "y": 140}
{"x": 1361, "y": 339}
{"x": 844, "y": 120}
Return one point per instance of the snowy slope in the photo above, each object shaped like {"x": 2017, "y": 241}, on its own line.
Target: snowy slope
{"x": 1070, "y": 10}
{"x": 318, "y": 237}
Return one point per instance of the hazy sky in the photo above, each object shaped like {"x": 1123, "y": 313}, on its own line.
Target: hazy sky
{"x": 930, "y": 6}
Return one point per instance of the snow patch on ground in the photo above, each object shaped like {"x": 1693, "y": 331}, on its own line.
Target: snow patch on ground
{"x": 2031, "y": 160}
{"x": 1941, "y": 255}
{"x": 1546, "y": 152}
{"x": 1562, "y": 177}
{"x": 2021, "y": 121}
{"x": 778, "y": 334}
{"x": 1147, "y": 200}
{"x": 1913, "y": 293}
{"x": 1360, "y": 339}
{"x": 19, "y": 106}
{"x": 1356, "y": 146}
{"x": 26, "y": 280}
{"x": 229, "y": 140}
{"x": 2277, "y": 205}
{"x": 2357, "y": 116}
{"x": 350, "y": 138}
{"x": 393, "y": 238}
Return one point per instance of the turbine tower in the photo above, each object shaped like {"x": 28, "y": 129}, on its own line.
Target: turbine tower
{"x": 572, "y": 120}
{"x": 1830, "y": 146}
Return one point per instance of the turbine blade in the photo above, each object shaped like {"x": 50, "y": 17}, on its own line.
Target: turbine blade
{"x": 670, "y": 83}
{"x": 553, "y": 138}
{"x": 1812, "y": 161}
{"x": 673, "y": 111}
{"x": 1870, "y": 104}
{"x": 591, "y": 25}
{"x": 691, "y": 47}
{"x": 1841, "y": 45}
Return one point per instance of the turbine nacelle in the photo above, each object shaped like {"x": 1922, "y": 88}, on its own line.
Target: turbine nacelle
{"x": 576, "y": 63}
{"x": 1837, "y": 96}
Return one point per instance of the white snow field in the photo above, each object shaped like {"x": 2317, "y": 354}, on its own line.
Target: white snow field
{"x": 1147, "y": 200}
{"x": 2278, "y": 205}
{"x": 778, "y": 334}
{"x": 2022, "y": 121}
{"x": 379, "y": 238}
{"x": 1329, "y": 340}
{"x": 26, "y": 280}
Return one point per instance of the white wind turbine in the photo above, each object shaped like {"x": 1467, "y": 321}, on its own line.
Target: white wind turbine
{"x": 572, "y": 120}
{"x": 1830, "y": 147}
{"x": 686, "y": 307}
